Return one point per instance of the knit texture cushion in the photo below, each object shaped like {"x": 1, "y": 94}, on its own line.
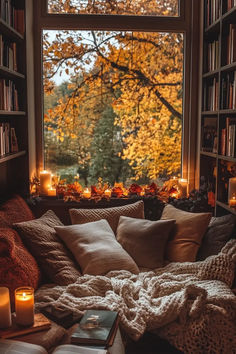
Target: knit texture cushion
{"x": 144, "y": 240}
{"x": 219, "y": 232}
{"x": 112, "y": 215}
{"x": 17, "y": 266}
{"x": 95, "y": 248}
{"x": 14, "y": 210}
{"x": 187, "y": 233}
{"x": 52, "y": 256}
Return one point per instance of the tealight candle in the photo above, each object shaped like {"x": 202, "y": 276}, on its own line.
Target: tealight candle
{"x": 52, "y": 192}
{"x": 232, "y": 188}
{"x": 5, "y": 308}
{"x": 86, "y": 193}
{"x": 184, "y": 187}
{"x": 45, "y": 182}
{"x": 107, "y": 193}
{"x": 24, "y": 304}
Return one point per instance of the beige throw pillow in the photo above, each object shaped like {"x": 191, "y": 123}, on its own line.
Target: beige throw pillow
{"x": 187, "y": 233}
{"x": 52, "y": 256}
{"x": 95, "y": 248}
{"x": 144, "y": 240}
{"x": 112, "y": 215}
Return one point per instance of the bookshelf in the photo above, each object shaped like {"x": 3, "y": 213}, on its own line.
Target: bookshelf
{"x": 14, "y": 175}
{"x": 218, "y": 107}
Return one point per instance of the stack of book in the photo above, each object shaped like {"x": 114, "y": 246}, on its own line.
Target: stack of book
{"x": 213, "y": 12}
{"x": 228, "y": 91}
{"x": 8, "y": 140}
{"x": 8, "y": 96}
{"x": 12, "y": 16}
{"x": 213, "y": 55}
{"x": 230, "y": 4}
{"x": 8, "y": 54}
{"x": 228, "y": 146}
{"x": 211, "y": 95}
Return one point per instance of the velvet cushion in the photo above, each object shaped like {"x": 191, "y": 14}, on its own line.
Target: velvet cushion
{"x": 17, "y": 266}
{"x": 219, "y": 232}
{"x": 144, "y": 240}
{"x": 52, "y": 256}
{"x": 14, "y": 210}
{"x": 112, "y": 215}
{"x": 95, "y": 248}
{"x": 187, "y": 233}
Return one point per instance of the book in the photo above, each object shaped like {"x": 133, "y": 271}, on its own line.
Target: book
{"x": 95, "y": 333}
{"x": 40, "y": 323}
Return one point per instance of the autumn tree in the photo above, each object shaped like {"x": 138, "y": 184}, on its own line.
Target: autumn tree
{"x": 138, "y": 74}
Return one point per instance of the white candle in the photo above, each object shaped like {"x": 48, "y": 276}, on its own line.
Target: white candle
{"x": 107, "y": 193}
{"x": 232, "y": 188}
{"x": 52, "y": 192}
{"x": 5, "y": 308}
{"x": 86, "y": 193}
{"x": 184, "y": 187}
{"x": 24, "y": 304}
{"x": 232, "y": 202}
{"x": 45, "y": 182}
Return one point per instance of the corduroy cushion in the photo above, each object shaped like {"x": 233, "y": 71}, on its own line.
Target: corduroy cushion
{"x": 112, "y": 215}
{"x": 219, "y": 232}
{"x": 17, "y": 266}
{"x": 187, "y": 233}
{"x": 144, "y": 240}
{"x": 95, "y": 248}
{"x": 52, "y": 256}
{"x": 14, "y": 210}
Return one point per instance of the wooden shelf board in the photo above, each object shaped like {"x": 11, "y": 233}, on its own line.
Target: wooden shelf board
{"x": 210, "y": 74}
{"x": 214, "y": 27}
{"x": 229, "y": 15}
{"x": 226, "y": 207}
{"x": 227, "y": 158}
{"x": 228, "y": 67}
{"x": 227, "y": 111}
{"x": 10, "y": 31}
{"x": 210, "y": 113}
{"x": 209, "y": 154}
{"x": 11, "y": 73}
{"x": 12, "y": 156}
{"x": 12, "y": 113}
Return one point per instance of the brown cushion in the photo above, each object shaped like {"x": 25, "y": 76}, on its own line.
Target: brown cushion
{"x": 112, "y": 215}
{"x": 14, "y": 210}
{"x": 219, "y": 232}
{"x": 187, "y": 233}
{"x": 17, "y": 266}
{"x": 95, "y": 248}
{"x": 52, "y": 256}
{"x": 144, "y": 240}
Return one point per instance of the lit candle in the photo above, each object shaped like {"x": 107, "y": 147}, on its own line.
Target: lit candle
{"x": 184, "y": 187}
{"x": 45, "y": 182}
{"x": 142, "y": 193}
{"x": 232, "y": 201}
{"x": 5, "y": 308}
{"x": 107, "y": 193}
{"x": 232, "y": 188}
{"x": 86, "y": 193}
{"x": 24, "y": 304}
{"x": 52, "y": 192}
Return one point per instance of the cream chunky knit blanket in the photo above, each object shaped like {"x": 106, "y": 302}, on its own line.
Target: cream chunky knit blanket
{"x": 189, "y": 304}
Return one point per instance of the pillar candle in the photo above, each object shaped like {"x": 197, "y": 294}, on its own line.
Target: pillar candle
{"x": 5, "y": 308}
{"x": 52, "y": 192}
{"x": 232, "y": 188}
{"x": 107, "y": 193}
{"x": 232, "y": 201}
{"x": 45, "y": 182}
{"x": 184, "y": 187}
{"x": 86, "y": 193}
{"x": 24, "y": 304}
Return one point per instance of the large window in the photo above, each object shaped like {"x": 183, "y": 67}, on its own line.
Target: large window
{"x": 115, "y": 95}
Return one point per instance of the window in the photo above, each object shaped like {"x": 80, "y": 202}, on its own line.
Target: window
{"x": 114, "y": 91}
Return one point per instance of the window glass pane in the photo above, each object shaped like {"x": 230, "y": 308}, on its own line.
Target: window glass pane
{"x": 113, "y": 105}
{"x": 115, "y": 7}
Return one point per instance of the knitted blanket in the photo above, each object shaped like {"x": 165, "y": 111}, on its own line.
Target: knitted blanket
{"x": 189, "y": 304}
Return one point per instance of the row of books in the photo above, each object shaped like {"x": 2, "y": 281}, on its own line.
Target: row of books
{"x": 213, "y": 55}
{"x": 228, "y": 91}
{"x": 8, "y": 139}
{"x": 8, "y": 54}
{"x": 230, "y": 4}
{"x": 209, "y": 135}
{"x": 12, "y": 16}
{"x": 210, "y": 95}
{"x": 228, "y": 136}
{"x": 8, "y": 96}
{"x": 231, "y": 44}
{"x": 212, "y": 12}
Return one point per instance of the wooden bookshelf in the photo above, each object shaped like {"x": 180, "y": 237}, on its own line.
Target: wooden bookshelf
{"x": 218, "y": 163}
{"x": 14, "y": 174}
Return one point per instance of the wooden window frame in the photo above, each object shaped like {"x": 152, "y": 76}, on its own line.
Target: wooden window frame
{"x": 187, "y": 23}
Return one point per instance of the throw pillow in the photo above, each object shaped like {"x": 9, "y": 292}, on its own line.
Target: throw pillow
{"x": 17, "y": 266}
{"x": 219, "y": 232}
{"x": 112, "y": 215}
{"x": 144, "y": 240}
{"x": 14, "y": 210}
{"x": 95, "y": 248}
{"x": 53, "y": 258}
{"x": 187, "y": 233}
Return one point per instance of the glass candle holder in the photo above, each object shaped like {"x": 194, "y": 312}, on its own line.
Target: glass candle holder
{"x": 24, "y": 305}
{"x": 5, "y": 308}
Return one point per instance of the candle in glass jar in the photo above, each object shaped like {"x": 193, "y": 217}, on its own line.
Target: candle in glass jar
{"x": 86, "y": 193}
{"x": 45, "y": 182}
{"x": 52, "y": 192}
{"x": 24, "y": 304}
{"x": 232, "y": 201}
{"x": 5, "y": 308}
{"x": 184, "y": 187}
{"x": 107, "y": 193}
{"x": 232, "y": 188}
